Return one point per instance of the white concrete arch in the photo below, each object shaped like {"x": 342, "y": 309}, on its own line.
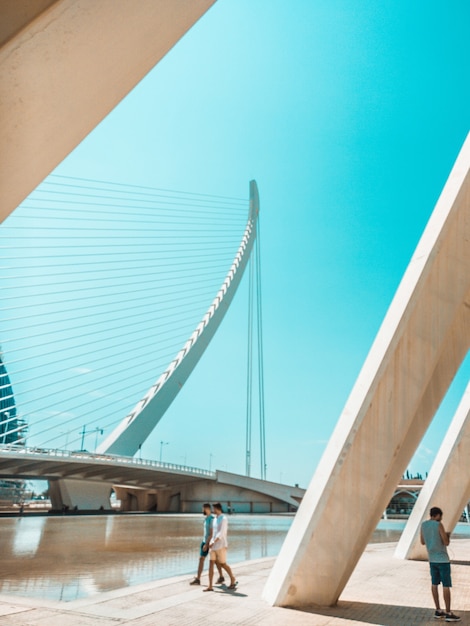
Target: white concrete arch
{"x": 65, "y": 65}
{"x": 137, "y": 426}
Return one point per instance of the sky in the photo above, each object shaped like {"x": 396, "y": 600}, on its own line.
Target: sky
{"x": 349, "y": 115}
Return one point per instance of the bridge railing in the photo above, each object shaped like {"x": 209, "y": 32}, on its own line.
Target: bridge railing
{"x": 112, "y": 458}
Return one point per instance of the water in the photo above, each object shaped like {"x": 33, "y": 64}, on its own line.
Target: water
{"x": 65, "y": 558}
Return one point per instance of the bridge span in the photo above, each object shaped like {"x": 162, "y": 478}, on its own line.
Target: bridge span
{"x": 142, "y": 485}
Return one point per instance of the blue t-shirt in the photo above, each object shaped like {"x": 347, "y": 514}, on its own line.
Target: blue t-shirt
{"x": 207, "y": 527}
{"x": 437, "y": 551}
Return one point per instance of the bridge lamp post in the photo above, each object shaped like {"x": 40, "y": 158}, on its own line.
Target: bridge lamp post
{"x": 211, "y": 456}
{"x": 66, "y": 433}
{"x": 99, "y": 431}
{"x": 82, "y": 447}
{"x": 162, "y": 443}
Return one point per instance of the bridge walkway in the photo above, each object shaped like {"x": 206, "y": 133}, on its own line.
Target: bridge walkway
{"x": 382, "y": 591}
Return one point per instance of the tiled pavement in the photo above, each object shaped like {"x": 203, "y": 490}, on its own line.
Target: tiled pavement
{"x": 383, "y": 590}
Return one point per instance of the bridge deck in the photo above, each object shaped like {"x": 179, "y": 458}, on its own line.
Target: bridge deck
{"x": 50, "y": 464}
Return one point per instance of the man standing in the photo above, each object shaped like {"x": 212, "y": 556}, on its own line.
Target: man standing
{"x": 435, "y": 538}
{"x": 204, "y": 549}
{"x": 218, "y": 548}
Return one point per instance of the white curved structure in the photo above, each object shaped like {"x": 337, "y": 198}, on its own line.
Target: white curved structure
{"x": 422, "y": 342}
{"x": 137, "y": 426}
{"x": 65, "y": 65}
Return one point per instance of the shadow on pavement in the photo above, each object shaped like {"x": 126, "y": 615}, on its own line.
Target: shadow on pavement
{"x": 382, "y": 614}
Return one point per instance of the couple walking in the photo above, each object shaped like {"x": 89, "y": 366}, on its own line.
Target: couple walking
{"x": 215, "y": 544}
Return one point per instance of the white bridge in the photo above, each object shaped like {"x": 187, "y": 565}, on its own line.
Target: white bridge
{"x": 142, "y": 484}
{"x": 56, "y": 300}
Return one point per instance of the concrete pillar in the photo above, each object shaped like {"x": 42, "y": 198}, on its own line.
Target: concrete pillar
{"x": 419, "y": 348}
{"x": 80, "y": 494}
{"x": 447, "y": 485}
{"x": 136, "y": 498}
{"x": 65, "y": 64}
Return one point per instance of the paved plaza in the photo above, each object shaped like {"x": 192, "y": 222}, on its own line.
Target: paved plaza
{"x": 383, "y": 591}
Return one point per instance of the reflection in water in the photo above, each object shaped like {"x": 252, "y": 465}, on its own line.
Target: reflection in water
{"x": 64, "y": 558}
{"x": 26, "y": 542}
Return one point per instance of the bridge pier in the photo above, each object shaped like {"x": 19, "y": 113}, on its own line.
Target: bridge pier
{"x": 136, "y": 498}
{"x": 79, "y": 495}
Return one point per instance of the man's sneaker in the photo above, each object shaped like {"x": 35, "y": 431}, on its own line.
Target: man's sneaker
{"x": 439, "y": 614}
{"x": 451, "y": 617}
{"x": 196, "y": 581}
{"x": 220, "y": 580}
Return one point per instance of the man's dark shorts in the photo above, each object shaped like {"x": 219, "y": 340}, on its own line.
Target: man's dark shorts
{"x": 203, "y": 552}
{"x": 440, "y": 573}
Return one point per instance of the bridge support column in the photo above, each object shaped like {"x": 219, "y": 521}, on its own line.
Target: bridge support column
{"x": 137, "y": 498}
{"x": 79, "y": 495}
{"x": 418, "y": 350}
{"x": 447, "y": 486}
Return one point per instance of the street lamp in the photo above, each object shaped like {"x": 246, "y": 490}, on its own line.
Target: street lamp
{"x": 100, "y": 431}
{"x": 66, "y": 433}
{"x": 162, "y": 443}
{"x": 210, "y": 461}
{"x": 83, "y": 433}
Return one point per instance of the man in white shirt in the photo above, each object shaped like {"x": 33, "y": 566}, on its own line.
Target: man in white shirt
{"x": 204, "y": 549}
{"x": 218, "y": 547}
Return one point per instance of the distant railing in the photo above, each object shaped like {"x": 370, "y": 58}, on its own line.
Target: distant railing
{"x": 111, "y": 458}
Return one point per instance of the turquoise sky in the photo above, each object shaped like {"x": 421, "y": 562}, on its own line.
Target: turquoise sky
{"x": 350, "y": 115}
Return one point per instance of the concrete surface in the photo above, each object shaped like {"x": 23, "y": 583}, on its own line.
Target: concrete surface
{"x": 65, "y": 65}
{"x": 382, "y": 590}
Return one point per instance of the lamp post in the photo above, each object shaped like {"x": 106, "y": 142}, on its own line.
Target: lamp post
{"x": 210, "y": 461}
{"x": 100, "y": 431}
{"x": 66, "y": 433}
{"x": 82, "y": 448}
{"x": 162, "y": 443}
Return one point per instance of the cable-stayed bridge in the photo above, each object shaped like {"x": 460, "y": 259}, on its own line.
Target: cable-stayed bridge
{"x": 110, "y": 295}
{"x": 66, "y": 320}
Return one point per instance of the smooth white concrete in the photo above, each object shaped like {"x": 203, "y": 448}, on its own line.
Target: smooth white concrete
{"x": 64, "y": 65}
{"x": 419, "y": 347}
{"x": 447, "y": 485}
{"x": 80, "y": 495}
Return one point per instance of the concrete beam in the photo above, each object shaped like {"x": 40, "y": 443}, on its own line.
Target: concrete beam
{"x": 64, "y": 65}
{"x": 419, "y": 347}
{"x": 283, "y": 493}
{"x": 447, "y": 485}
